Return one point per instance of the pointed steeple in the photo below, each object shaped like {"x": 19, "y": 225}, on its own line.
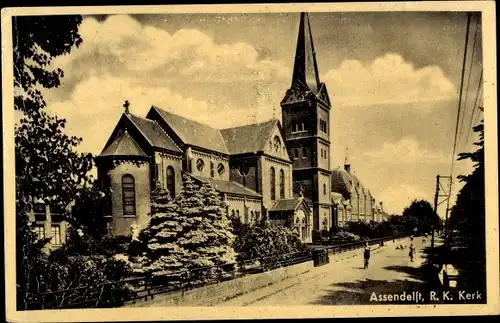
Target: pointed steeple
{"x": 305, "y": 70}
{"x": 347, "y": 166}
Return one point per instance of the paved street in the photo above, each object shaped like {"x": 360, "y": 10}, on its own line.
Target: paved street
{"x": 345, "y": 282}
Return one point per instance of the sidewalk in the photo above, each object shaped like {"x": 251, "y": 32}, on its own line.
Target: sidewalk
{"x": 317, "y": 284}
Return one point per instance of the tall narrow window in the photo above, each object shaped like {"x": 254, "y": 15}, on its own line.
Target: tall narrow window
{"x": 272, "y": 183}
{"x": 302, "y": 127}
{"x": 40, "y": 232}
{"x": 282, "y": 184}
{"x": 212, "y": 170}
{"x": 128, "y": 192}
{"x": 56, "y": 235}
{"x": 295, "y": 153}
{"x": 324, "y": 189}
{"x": 304, "y": 152}
{"x": 171, "y": 181}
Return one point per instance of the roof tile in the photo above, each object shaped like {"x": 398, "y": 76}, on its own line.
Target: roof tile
{"x": 248, "y": 138}
{"x": 153, "y": 133}
{"x": 123, "y": 145}
{"x": 194, "y": 133}
{"x": 228, "y": 186}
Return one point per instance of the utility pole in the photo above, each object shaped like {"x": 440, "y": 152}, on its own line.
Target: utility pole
{"x": 437, "y": 203}
{"x": 435, "y": 208}
{"x": 446, "y": 219}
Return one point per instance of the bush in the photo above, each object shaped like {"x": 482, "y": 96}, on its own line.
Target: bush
{"x": 345, "y": 236}
{"x": 268, "y": 243}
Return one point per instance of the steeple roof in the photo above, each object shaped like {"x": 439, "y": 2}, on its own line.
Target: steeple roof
{"x": 123, "y": 145}
{"x": 305, "y": 70}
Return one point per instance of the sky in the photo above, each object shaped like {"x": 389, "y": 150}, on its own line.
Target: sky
{"x": 393, "y": 79}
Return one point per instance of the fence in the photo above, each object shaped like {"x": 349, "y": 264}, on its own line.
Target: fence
{"x": 115, "y": 294}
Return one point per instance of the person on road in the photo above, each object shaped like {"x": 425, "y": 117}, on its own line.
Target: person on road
{"x": 366, "y": 255}
{"x": 411, "y": 252}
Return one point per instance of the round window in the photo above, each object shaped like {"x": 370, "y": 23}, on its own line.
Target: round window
{"x": 200, "y": 164}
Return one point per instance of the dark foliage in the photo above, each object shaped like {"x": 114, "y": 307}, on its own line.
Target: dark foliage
{"x": 467, "y": 217}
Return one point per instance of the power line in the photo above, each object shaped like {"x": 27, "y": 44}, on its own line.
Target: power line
{"x": 479, "y": 87}
{"x": 460, "y": 96}
{"x": 468, "y": 80}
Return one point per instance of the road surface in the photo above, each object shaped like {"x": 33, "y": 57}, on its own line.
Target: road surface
{"x": 345, "y": 282}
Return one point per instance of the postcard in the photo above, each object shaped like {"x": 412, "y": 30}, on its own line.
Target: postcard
{"x": 250, "y": 161}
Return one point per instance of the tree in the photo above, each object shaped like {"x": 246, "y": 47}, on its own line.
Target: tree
{"x": 206, "y": 234}
{"x": 468, "y": 213}
{"x": 164, "y": 256}
{"x": 421, "y": 215}
{"x": 47, "y": 167}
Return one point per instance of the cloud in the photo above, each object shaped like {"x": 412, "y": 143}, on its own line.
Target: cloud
{"x": 95, "y": 106}
{"x": 389, "y": 79}
{"x": 122, "y": 45}
{"x": 399, "y": 196}
{"x": 405, "y": 151}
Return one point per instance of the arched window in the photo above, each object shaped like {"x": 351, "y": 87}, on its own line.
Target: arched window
{"x": 171, "y": 181}
{"x": 220, "y": 169}
{"x": 272, "y": 183}
{"x": 200, "y": 164}
{"x": 252, "y": 217}
{"x": 232, "y": 213}
{"x": 128, "y": 193}
{"x": 304, "y": 231}
{"x": 238, "y": 214}
{"x": 282, "y": 184}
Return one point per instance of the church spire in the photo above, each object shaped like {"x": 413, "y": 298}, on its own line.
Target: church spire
{"x": 305, "y": 70}
{"x": 347, "y": 166}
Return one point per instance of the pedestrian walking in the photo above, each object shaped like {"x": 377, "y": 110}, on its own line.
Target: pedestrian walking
{"x": 411, "y": 252}
{"x": 366, "y": 255}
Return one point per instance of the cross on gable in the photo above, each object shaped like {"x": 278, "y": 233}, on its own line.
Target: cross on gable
{"x": 126, "y": 105}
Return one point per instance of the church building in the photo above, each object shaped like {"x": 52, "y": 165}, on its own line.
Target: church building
{"x": 278, "y": 169}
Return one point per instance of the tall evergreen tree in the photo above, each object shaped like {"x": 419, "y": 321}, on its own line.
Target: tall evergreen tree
{"x": 217, "y": 226}
{"x": 206, "y": 236}
{"x": 164, "y": 256}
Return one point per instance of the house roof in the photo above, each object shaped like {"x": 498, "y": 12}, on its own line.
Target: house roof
{"x": 287, "y": 204}
{"x": 227, "y": 187}
{"x": 344, "y": 182}
{"x": 123, "y": 145}
{"x": 153, "y": 133}
{"x": 248, "y": 138}
{"x": 194, "y": 133}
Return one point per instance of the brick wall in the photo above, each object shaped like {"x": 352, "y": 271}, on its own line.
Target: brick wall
{"x": 120, "y": 223}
